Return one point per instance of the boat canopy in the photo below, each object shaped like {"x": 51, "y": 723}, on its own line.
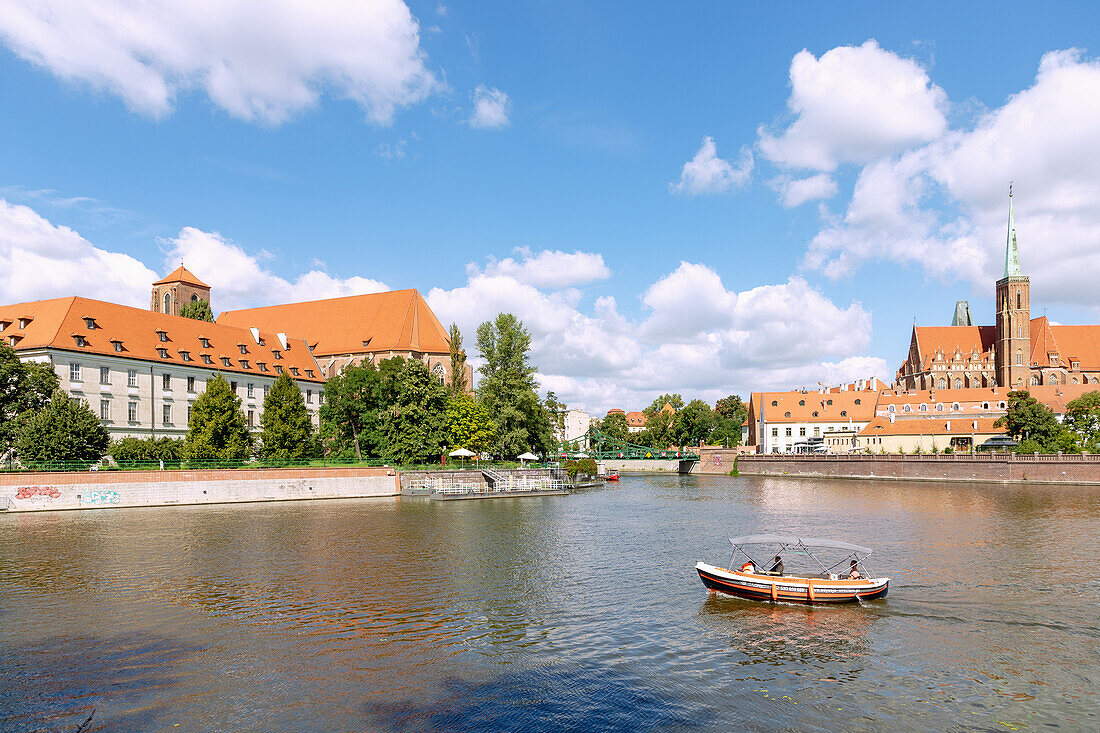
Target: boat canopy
{"x": 776, "y": 539}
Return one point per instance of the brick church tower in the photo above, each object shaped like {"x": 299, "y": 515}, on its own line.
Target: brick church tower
{"x": 176, "y": 290}
{"x": 1013, "y": 349}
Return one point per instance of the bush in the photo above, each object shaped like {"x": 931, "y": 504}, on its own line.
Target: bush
{"x": 583, "y": 467}
{"x": 134, "y": 450}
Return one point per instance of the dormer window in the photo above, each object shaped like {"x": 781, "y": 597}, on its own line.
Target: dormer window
{"x": 205, "y": 342}
{"x": 206, "y": 359}
{"x": 775, "y": 404}
{"x": 366, "y": 342}
{"x": 309, "y": 372}
{"x": 294, "y": 371}
{"x": 858, "y": 401}
{"x": 226, "y": 361}
{"x": 117, "y": 344}
{"x": 24, "y": 322}
{"x": 89, "y": 323}
{"x": 243, "y": 348}
{"x": 1075, "y": 365}
{"x": 244, "y": 364}
{"x": 815, "y": 413}
{"x": 1053, "y": 358}
{"x": 262, "y": 366}
{"x": 786, "y": 414}
{"x": 4, "y": 324}
{"x": 185, "y": 355}
{"x": 162, "y": 335}
{"x": 844, "y": 413}
{"x": 163, "y": 353}
{"x": 278, "y": 369}
{"x": 802, "y": 403}
{"x": 829, "y": 402}
{"x": 80, "y": 341}
{"x": 277, "y": 354}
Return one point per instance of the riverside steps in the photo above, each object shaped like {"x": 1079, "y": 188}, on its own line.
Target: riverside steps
{"x": 1008, "y": 468}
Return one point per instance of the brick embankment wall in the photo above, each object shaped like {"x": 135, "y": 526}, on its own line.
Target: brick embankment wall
{"x": 642, "y": 464}
{"x": 1067, "y": 469}
{"x": 27, "y": 491}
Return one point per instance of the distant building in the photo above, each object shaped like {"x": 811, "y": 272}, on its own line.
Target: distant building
{"x": 358, "y": 329}
{"x": 177, "y": 290}
{"x": 891, "y": 435}
{"x": 576, "y": 425}
{"x": 141, "y": 371}
{"x": 798, "y": 421}
{"x": 1017, "y": 352}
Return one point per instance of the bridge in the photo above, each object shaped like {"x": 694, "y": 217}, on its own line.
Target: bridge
{"x": 604, "y": 447}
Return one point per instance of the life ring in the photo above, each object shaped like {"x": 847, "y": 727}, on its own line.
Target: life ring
{"x": 748, "y": 567}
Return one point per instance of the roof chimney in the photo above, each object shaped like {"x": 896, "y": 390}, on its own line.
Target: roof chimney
{"x": 255, "y": 334}
{"x": 282, "y": 340}
{"x": 892, "y": 416}
{"x": 948, "y": 426}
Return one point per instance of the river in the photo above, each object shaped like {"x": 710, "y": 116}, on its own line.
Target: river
{"x": 567, "y": 613}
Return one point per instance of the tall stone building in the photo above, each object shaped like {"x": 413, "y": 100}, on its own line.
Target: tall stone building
{"x": 1018, "y": 352}
{"x": 176, "y": 290}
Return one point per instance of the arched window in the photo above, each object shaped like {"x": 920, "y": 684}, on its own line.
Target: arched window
{"x": 194, "y": 298}
{"x": 1019, "y": 300}
{"x": 954, "y": 406}
{"x": 1035, "y": 379}
{"x": 167, "y": 303}
{"x": 1019, "y": 357}
{"x": 958, "y": 383}
{"x": 890, "y": 408}
{"x": 939, "y": 407}
{"x": 924, "y": 408}
{"x": 439, "y": 372}
{"x": 1019, "y": 330}
{"x": 942, "y": 384}
{"x": 907, "y": 408}
{"x": 1053, "y": 379}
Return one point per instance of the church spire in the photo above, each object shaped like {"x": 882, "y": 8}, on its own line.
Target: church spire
{"x": 1012, "y": 252}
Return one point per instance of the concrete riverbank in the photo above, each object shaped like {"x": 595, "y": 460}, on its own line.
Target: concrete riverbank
{"x": 29, "y": 492}
{"x": 997, "y": 468}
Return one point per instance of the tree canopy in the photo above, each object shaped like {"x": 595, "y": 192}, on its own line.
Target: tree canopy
{"x": 217, "y": 429}
{"x": 457, "y": 381}
{"x": 1028, "y": 420}
{"x": 677, "y": 402}
{"x": 614, "y": 426}
{"x": 24, "y": 387}
{"x": 414, "y": 420}
{"x": 469, "y": 424}
{"x": 658, "y": 431}
{"x": 729, "y": 413}
{"x": 349, "y": 417}
{"x": 287, "y": 430}
{"x": 507, "y": 388}
{"x": 198, "y": 310}
{"x": 693, "y": 424}
{"x": 1082, "y": 421}
{"x": 64, "y": 430}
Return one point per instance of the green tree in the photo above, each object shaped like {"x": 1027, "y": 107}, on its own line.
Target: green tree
{"x": 287, "y": 431}
{"x": 64, "y": 430}
{"x": 729, "y": 413}
{"x": 658, "y": 431}
{"x": 457, "y": 382}
{"x": 1082, "y": 421}
{"x": 614, "y": 426}
{"x": 414, "y": 425}
{"x": 658, "y": 404}
{"x": 24, "y": 387}
{"x": 198, "y": 310}
{"x": 693, "y": 424}
{"x": 507, "y": 388}
{"x": 135, "y": 450}
{"x": 1029, "y": 420}
{"x": 349, "y": 417}
{"x": 217, "y": 429}
{"x": 469, "y": 425}
{"x": 556, "y": 410}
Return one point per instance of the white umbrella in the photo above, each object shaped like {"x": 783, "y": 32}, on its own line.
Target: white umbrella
{"x": 527, "y": 457}
{"x": 462, "y": 453}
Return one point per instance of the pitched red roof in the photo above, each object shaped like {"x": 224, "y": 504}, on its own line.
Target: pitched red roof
{"x": 882, "y": 426}
{"x": 58, "y": 322}
{"x": 947, "y": 339}
{"x": 399, "y": 320}
{"x": 182, "y": 275}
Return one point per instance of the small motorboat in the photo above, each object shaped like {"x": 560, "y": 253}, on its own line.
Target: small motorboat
{"x": 612, "y": 475}
{"x": 834, "y": 584}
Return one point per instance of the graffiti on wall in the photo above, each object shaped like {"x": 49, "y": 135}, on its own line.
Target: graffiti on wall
{"x": 100, "y": 497}
{"x": 49, "y": 492}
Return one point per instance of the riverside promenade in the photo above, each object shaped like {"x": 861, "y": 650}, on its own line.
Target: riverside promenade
{"x": 994, "y": 467}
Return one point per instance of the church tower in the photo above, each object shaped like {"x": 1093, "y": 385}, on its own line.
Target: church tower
{"x": 1013, "y": 350}
{"x": 176, "y": 290}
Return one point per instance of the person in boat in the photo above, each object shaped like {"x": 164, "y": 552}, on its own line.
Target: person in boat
{"x": 853, "y": 572}
{"x": 749, "y": 568}
{"x": 777, "y": 566}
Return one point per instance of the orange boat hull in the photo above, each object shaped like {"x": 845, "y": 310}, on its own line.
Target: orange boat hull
{"x": 790, "y": 589}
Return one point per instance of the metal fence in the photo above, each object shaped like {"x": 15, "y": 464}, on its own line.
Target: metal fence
{"x": 923, "y": 457}
{"x": 203, "y": 465}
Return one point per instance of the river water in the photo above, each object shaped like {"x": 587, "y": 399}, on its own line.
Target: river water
{"x": 567, "y": 613}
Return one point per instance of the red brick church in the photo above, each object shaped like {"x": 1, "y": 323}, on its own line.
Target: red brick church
{"x": 1018, "y": 352}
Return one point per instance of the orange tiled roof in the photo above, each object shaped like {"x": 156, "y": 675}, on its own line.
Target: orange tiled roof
{"x": 1070, "y": 343}
{"x": 57, "y": 323}
{"x": 882, "y": 426}
{"x": 803, "y": 405}
{"x": 636, "y": 419}
{"x": 1057, "y": 396}
{"x": 948, "y": 338}
{"x": 399, "y": 320}
{"x": 182, "y": 275}
{"x": 946, "y": 396}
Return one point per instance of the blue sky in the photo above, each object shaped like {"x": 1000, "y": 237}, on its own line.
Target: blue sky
{"x": 359, "y": 164}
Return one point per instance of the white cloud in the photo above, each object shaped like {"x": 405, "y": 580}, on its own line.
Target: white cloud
{"x": 260, "y": 60}
{"x": 39, "y": 260}
{"x": 547, "y": 268}
{"x": 795, "y": 192}
{"x": 491, "y": 108}
{"x": 695, "y": 337}
{"x": 707, "y": 173}
{"x": 238, "y": 280}
{"x": 942, "y": 207}
{"x": 855, "y": 104}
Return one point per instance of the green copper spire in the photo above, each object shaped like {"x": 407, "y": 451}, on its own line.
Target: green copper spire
{"x": 1012, "y": 253}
